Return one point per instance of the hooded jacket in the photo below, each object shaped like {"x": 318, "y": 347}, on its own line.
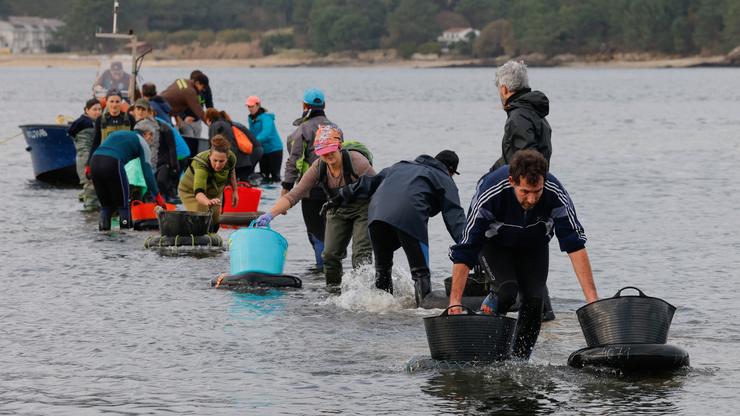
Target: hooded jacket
{"x": 263, "y": 126}
{"x": 300, "y": 146}
{"x": 408, "y": 193}
{"x": 526, "y": 126}
{"x": 161, "y": 107}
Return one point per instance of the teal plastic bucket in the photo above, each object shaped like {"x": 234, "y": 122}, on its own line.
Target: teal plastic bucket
{"x": 257, "y": 250}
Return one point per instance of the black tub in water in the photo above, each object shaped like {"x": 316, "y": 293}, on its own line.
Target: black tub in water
{"x": 621, "y": 319}
{"x": 183, "y": 223}
{"x": 469, "y": 337}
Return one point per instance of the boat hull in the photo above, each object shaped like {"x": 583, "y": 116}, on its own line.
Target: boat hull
{"x": 52, "y": 153}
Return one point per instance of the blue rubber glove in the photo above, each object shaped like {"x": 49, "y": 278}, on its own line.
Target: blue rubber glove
{"x": 263, "y": 220}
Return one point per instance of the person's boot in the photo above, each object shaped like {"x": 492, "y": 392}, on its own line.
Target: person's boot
{"x": 422, "y": 283}
{"x": 384, "y": 280}
{"x": 527, "y": 328}
{"x": 333, "y": 278}
{"x": 104, "y": 221}
{"x": 547, "y": 312}
{"x": 124, "y": 216}
{"x": 318, "y": 249}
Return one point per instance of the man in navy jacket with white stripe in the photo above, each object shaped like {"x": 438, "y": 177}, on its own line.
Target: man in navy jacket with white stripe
{"x": 513, "y": 215}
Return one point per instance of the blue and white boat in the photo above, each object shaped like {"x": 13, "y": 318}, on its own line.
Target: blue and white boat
{"x": 52, "y": 153}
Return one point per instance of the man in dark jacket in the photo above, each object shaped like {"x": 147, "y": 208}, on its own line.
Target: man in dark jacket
{"x": 526, "y": 126}
{"x": 513, "y": 215}
{"x": 404, "y": 197}
{"x": 183, "y": 95}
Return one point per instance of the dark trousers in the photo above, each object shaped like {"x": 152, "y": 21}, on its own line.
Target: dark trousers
{"x": 242, "y": 173}
{"x": 386, "y": 239}
{"x": 519, "y": 271}
{"x": 270, "y": 166}
{"x": 111, "y": 184}
{"x": 315, "y": 225}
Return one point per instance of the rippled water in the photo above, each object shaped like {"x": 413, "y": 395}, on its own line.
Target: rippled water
{"x": 92, "y": 324}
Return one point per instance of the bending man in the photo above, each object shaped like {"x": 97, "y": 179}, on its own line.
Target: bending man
{"x": 512, "y": 217}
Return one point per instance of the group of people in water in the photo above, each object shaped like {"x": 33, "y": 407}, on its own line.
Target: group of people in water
{"x": 517, "y": 208}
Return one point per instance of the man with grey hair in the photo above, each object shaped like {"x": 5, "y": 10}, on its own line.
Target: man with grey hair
{"x": 526, "y": 126}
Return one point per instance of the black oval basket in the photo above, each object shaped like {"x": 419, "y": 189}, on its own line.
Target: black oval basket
{"x": 469, "y": 337}
{"x": 181, "y": 223}
{"x": 621, "y": 319}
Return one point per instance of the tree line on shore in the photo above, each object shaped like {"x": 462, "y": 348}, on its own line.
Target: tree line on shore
{"x": 508, "y": 27}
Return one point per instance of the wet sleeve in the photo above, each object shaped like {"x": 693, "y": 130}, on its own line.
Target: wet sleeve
{"x": 452, "y": 213}
{"x": 473, "y": 233}
{"x": 303, "y": 187}
{"x": 568, "y": 229}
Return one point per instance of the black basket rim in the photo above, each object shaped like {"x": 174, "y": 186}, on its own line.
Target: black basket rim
{"x": 476, "y": 316}
{"x": 578, "y": 311}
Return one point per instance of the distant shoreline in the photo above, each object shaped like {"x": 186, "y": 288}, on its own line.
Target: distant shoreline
{"x": 70, "y": 60}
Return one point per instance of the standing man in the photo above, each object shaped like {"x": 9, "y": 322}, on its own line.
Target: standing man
{"x": 301, "y": 156}
{"x": 404, "y": 197}
{"x": 183, "y": 95}
{"x": 512, "y": 217}
{"x": 526, "y": 126}
{"x": 112, "y": 120}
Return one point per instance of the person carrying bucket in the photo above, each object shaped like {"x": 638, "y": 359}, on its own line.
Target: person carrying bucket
{"x": 345, "y": 222}
{"x": 512, "y": 217}
{"x": 202, "y": 185}
{"x": 402, "y": 199}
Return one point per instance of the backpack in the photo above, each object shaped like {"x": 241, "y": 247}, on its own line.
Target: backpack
{"x": 242, "y": 141}
{"x": 347, "y": 170}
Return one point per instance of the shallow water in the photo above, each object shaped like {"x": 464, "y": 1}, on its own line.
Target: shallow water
{"x": 91, "y": 323}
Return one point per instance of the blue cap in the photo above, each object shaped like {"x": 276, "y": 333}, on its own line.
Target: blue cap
{"x": 314, "y": 97}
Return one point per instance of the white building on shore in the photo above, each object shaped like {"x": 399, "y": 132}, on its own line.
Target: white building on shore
{"x": 27, "y": 34}
{"x": 458, "y": 34}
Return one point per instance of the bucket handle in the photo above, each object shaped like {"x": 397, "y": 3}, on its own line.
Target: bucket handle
{"x": 136, "y": 202}
{"x": 619, "y": 292}
{"x": 446, "y": 312}
{"x": 254, "y": 222}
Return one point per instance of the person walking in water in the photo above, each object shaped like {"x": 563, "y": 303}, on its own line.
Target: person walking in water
{"x": 404, "y": 197}
{"x": 335, "y": 168}
{"x": 262, "y": 124}
{"x": 513, "y": 214}
{"x": 301, "y": 156}
{"x": 82, "y": 131}
{"x": 526, "y": 126}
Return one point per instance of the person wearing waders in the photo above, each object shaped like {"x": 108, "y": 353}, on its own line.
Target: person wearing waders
{"x": 301, "y": 155}
{"x": 335, "y": 168}
{"x": 513, "y": 214}
{"x": 402, "y": 199}
{"x": 526, "y": 126}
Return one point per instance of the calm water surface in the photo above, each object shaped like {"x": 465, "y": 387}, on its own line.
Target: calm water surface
{"x": 91, "y": 324}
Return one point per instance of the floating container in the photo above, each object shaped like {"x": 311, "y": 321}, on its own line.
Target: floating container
{"x": 621, "y": 319}
{"x": 257, "y": 250}
{"x": 631, "y": 357}
{"x": 469, "y": 337}
{"x": 183, "y": 223}
{"x": 248, "y": 280}
{"x": 249, "y": 198}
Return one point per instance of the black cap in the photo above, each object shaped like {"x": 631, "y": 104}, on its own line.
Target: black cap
{"x": 450, "y": 159}
{"x": 116, "y": 65}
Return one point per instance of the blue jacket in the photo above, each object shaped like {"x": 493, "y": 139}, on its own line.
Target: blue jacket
{"x": 407, "y": 194}
{"x": 263, "y": 126}
{"x": 126, "y": 146}
{"x": 161, "y": 107}
{"x": 495, "y": 215}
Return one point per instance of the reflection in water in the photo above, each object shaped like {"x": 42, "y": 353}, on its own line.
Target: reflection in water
{"x": 527, "y": 388}
{"x": 252, "y": 304}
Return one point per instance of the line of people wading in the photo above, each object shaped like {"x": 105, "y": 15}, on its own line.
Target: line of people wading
{"x": 517, "y": 207}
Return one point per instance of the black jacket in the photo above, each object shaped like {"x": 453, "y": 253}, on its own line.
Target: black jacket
{"x": 407, "y": 194}
{"x": 526, "y": 126}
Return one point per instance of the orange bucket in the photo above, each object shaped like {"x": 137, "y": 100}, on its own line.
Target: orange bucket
{"x": 144, "y": 211}
{"x": 249, "y": 198}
